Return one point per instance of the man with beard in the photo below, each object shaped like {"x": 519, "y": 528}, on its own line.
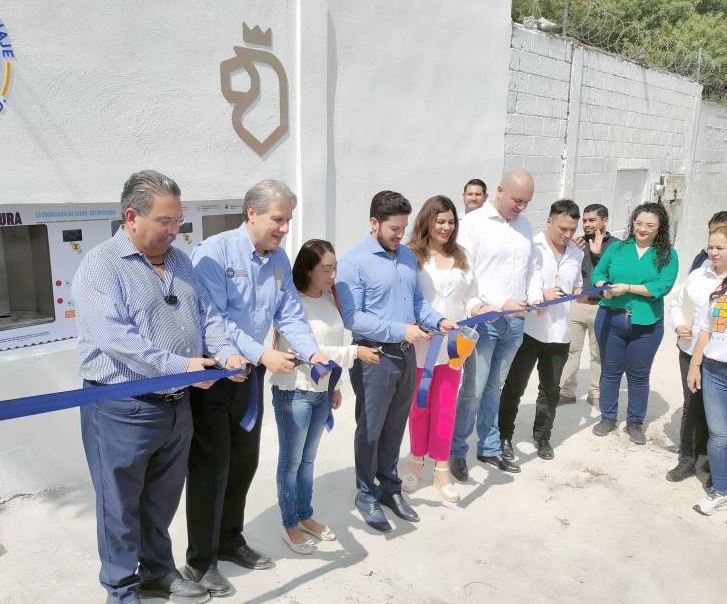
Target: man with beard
{"x": 251, "y": 285}
{"x": 583, "y": 310}
{"x": 382, "y": 305}
{"x": 142, "y": 314}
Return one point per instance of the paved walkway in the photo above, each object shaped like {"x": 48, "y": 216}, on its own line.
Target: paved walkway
{"x": 597, "y": 524}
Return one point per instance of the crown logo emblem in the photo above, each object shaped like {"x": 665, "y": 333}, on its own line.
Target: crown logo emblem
{"x": 257, "y": 36}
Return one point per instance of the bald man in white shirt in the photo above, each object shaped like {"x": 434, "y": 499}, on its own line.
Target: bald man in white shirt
{"x": 498, "y": 240}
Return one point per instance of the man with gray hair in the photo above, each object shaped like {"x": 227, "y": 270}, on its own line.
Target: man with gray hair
{"x": 142, "y": 314}
{"x": 249, "y": 279}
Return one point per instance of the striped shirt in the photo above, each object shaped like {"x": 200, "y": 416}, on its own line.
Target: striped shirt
{"x": 126, "y": 330}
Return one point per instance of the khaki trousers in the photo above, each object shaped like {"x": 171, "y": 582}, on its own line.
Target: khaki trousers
{"x": 581, "y": 321}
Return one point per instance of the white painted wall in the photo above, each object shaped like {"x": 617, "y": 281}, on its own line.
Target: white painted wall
{"x": 383, "y": 94}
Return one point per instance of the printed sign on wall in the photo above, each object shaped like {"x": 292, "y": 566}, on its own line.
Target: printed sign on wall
{"x": 7, "y": 55}
{"x": 245, "y": 59}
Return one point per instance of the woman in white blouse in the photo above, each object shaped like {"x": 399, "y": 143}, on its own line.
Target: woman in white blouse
{"x": 447, "y": 284}
{"x": 710, "y": 355}
{"x": 690, "y": 304}
{"x": 302, "y": 405}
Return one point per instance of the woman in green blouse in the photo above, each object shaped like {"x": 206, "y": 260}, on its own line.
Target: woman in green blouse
{"x": 629, "y": 325}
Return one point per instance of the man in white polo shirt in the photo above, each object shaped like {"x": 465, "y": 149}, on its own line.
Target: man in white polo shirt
{"x": 547, "y": 335}
{"x": 499, "y": 245}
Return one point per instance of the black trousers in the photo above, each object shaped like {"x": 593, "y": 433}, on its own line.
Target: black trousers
{"x": 383, "y": 399}
{"x": 693, "y": 433}
{"x": 550, "y": 358}
{"x": 223, "y": 459}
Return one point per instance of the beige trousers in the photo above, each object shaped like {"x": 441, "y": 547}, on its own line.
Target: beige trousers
{"x": 581, "y": 321}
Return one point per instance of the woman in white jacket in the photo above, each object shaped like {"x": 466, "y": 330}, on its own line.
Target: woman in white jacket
{"x": 447, "y": 284}
{"x": 302, "y": 405}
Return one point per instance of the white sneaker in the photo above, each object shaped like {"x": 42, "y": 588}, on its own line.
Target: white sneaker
{"x": 713, "y": 502}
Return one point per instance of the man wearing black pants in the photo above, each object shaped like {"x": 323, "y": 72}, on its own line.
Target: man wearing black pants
{"x": 547, "y": 336}
{"x": 249, "y": 280}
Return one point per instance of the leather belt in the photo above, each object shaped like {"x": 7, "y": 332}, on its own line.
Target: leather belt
{"x": 171, "y": 397}
{"x": 397, "y": 346}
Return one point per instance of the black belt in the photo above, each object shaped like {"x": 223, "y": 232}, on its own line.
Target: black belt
{"x": 398, "y": 346}
{"x": 170, "y": 397}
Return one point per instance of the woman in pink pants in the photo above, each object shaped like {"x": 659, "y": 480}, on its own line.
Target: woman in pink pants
{"x": 448, "y": 285}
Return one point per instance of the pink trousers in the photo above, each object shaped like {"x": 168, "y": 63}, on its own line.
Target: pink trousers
{"x": 430, "y": 429}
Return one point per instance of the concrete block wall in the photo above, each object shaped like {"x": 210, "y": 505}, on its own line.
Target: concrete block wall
{"x": 707, "y": 185}
{"x": 576, "y": 116}
{"x": 536, "y": 125}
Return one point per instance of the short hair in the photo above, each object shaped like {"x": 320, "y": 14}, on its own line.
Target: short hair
{"x": 598, "y": 208}
{"x": 389, "y": 203}
{"x": 142, "y": 187}
{"x": 565, "y": 206}
{"x": 476, "y": 182}
{"x": 718, "y": 218}
{"x": 259, "y": 196}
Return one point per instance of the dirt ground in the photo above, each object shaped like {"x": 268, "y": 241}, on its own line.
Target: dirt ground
{"x": 597, "y": 524}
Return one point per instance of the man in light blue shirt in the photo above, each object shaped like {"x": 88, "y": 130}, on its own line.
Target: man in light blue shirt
{"x": 249, "y": 280}
{"x": 381, "y": 304}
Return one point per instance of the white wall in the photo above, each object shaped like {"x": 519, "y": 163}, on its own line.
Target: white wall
{"x": 576, "y": 116}
{"x": 383, "y": 94}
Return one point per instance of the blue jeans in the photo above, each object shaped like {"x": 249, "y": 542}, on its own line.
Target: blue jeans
{"x": 714, "y": 392}
{"x": 628, "y": 348}
{"x": 301, "y": 416}
{"x": 484, "y": 374}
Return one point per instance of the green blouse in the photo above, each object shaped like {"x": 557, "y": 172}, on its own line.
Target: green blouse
{"x": 620, "y": 263}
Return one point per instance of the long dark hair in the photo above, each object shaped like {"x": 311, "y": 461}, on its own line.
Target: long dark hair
{"x": 309, "y": 256}
{"x": 662, "y": 244}
{"x": 722, "y": 289}
{"x": 421, "y": 235}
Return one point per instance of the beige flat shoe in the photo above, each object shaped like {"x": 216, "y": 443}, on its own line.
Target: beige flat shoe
{"x": 305, "y": 549}
{"x": 446, "y": 489}
{"x": 411, "y": 479}
{"x": 326, "y": 534}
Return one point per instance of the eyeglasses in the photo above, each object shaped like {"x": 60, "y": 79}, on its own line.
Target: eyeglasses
{"x": 647, "y": 226}
{"x": 167, "y": 222}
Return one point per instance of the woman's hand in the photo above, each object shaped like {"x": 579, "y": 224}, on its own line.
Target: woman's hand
{"x": 694, "y": 378}
{"x": 683, "y": 331}
{"x": 617, "y": 289}
{"x": 336, "y": 399}
{"x": 367, "y": 355}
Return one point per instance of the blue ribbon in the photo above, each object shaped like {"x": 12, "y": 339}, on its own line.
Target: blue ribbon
{"x": 320, "y": 370}
{"x": 45, "y": 403}
{"x": 253, "y": 403}
{"x": 435, "y": 342}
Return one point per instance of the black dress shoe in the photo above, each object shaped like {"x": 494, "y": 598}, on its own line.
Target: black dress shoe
{"x": 507, "y": 450}
{"x": 397, "y": 504}
{"x": 458, "y": 467}
{"x": 500, "y": 462}
{"x": 246, "y": 557}
{"x": 545, "y": 451}
{"x": 681, "y": 471}
{"x": 373, "y": 515}
{"x": 211, "y": 580}
{"x": 176, "y": 588}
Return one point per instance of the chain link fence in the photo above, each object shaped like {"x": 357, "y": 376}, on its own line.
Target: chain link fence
{"x": 591, "y": 24}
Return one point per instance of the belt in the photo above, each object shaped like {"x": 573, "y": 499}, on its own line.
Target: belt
{"x": 587, "y": 301}
{"x": 171, "y": 397}
{"x": 398, "y": 346}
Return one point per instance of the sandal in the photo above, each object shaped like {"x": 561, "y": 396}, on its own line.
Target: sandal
{"x": 446, "y": 489}
{"x": 410, "y": 480}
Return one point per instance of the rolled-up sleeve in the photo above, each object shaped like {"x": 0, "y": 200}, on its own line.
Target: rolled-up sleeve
{"x": 666, "y": 278}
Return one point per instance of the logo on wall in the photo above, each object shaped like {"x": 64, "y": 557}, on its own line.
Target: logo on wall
{"x": 245, "y": 59}
{"x": 7, "y": 56}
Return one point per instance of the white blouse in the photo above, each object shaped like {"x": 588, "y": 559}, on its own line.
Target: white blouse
{"x": 691, "y": 303}
{"x": 327, "y": 326}
{"x": 447, "y": 290}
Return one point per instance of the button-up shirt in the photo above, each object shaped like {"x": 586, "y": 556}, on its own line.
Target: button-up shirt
{"x": 691, "y": 302}
{"x": 553, "y": 326}
{"x": 620, "y": 263}
{"x": 379, "y": 293}
{"x": 252, "y": 291}
{"x": 126, "y": 330}
{"x": 502, "y": 257}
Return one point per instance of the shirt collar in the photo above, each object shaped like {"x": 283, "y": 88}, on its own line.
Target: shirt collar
{"x": 124, "y": 245}
{"x": 248, "y": 246}
{"x": 375, "y": 247}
